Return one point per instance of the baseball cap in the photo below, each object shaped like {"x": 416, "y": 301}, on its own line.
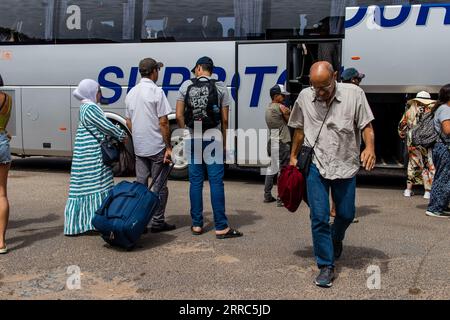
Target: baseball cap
{"x": 147, "y": 65}
{"x": 278, "y": 89}
{"x": 351, "y": 73}
{"x": 203, "y": 60}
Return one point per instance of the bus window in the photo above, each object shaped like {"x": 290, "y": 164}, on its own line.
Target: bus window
{"x": 26, "y": 21}
{"x": 96, "y": 21}
{"x": 183, "y": 20}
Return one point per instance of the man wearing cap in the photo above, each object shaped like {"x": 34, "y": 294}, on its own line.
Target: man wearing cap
{"x": 147, "y": 109}
{"x": 205, "y": 101}
{"x": 351, "y": 75}
{"x": 420, "y": 160}
{"x": 330, "y": 118}
{"x": 279, "y": 149}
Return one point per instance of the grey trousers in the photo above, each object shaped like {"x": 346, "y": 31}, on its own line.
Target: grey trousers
{"x": 284, "y": 158}
{"x": 150, "y": 167}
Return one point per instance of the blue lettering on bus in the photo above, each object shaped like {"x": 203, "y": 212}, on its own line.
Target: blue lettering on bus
{"x": 167, "y": 85}
{"x": 425, "y": 10}
{"x": 259, "y": 73}
{"x": 401, "y": 18}
{"x": 133, "y": 78}
{"x": 111, "y": 85}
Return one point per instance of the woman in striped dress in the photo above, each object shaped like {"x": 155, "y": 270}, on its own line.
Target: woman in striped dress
{"x": 90, "y": 179}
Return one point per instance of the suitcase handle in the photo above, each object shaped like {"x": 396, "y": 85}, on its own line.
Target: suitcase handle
{"x": 166, "y": 176}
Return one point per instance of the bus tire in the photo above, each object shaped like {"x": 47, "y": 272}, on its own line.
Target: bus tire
{"x": 180, "y": 170}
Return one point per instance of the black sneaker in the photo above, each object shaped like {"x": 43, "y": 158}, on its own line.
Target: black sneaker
{"x": 165, "y": 227}
{"x": 325, "y": 277}
{"x": 280, "y": 203}
{"x": 270, "y": 200}
{"x": 337, "y": 248}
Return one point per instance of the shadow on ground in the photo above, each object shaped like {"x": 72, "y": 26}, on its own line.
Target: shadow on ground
{"x": 24, "y": 241}
{"x": 17, "y": 224}
{"x": 356, "y": 258}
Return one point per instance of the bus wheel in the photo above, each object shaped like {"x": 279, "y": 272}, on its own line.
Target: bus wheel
{"x": 180, "y": 170}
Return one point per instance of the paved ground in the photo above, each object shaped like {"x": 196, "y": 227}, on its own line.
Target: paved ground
{"x": 273, "y": 260}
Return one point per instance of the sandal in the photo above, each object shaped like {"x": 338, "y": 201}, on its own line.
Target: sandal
{"x": 4, "y": 250}
{"x": 232, "y": 233}
{"x": 196, "y": 233}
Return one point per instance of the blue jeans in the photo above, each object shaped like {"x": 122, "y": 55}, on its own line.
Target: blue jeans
{"x": 343, "y": 191}
{"x": 215, "y": 170}
{"x": 440, "y": 191}
{"x": 5, "y": 152}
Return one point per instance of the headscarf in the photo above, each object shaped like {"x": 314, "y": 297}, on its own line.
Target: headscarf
{"x": 86, "y": 91}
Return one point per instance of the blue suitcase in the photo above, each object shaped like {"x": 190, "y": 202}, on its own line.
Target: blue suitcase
{"x": 126, "y": 212}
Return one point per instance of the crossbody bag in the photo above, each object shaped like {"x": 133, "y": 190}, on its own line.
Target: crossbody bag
{"x": 306, "y": 153}
{"x": 110, "y": 150}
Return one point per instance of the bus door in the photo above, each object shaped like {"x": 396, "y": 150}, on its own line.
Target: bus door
{"x": 260, "y": 65}
{"x": 301, "y": 55}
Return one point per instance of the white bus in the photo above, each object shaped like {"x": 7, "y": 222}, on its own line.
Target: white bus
{"x": 48, "y": 46}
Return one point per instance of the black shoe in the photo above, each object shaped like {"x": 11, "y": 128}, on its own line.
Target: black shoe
{"x": 325, "y": 277}
{"x": 165, "y": 227}
{"x": 270, "y": 200}
{"x": 337, "y": 248}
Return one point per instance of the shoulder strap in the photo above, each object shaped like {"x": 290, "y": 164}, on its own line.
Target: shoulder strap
{"x": 323, "y": 123}
{"x": 98, "y": 140}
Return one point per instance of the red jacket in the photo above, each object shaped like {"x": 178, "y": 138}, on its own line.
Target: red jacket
{"x": 291, "y": 187}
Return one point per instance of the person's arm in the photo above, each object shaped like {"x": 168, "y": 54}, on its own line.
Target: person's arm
{"x": 286, "y": 113}
{"x": 403, "y": 126}
{"x": 446, "y": 127}
{"x": 165, "y": 132}
{"x": 96, "y": 117}
{"x": 297, "y": 142}
{"x": 180, "y": 114}
{"x": 225, "y": 113}
{"x": 129, "y": 125}
{"x": 368, "y": 157}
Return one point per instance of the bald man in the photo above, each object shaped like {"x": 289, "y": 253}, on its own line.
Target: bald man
{"x": 344, "y": 112}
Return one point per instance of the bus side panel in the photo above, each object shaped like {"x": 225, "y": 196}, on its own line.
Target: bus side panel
{"x": 46, "y": 121}
{"x": 403, "y": 58}
{"x": 14, "y": 127}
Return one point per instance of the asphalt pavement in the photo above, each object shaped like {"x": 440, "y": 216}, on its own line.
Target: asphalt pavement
{"x": 394, "y": 252}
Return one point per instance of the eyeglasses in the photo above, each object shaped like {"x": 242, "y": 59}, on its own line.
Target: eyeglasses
{"x": 327, "y": 88}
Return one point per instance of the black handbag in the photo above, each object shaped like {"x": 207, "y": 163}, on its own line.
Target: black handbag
{"x": 109, "y": 147}
{"x": 304, "y": 158}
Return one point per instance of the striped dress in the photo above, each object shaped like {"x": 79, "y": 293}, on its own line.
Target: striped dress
{"x": 90, "y": 179}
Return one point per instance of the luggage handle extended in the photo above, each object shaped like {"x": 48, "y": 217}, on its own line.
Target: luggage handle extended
{"x": 166, "y": 176}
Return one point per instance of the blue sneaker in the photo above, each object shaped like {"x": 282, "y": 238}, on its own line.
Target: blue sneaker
{"x": 438, "y": 214}
{"x": 325, "y": 277}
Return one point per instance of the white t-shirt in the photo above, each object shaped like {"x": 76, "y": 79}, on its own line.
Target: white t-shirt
{"x": 146, "y": 103}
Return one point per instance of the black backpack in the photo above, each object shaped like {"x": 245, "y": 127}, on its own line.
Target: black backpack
{"x": 202, "y": 104}
{"x": 424, "y": 134}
